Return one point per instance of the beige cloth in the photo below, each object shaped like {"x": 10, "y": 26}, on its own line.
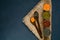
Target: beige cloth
{"x": 26, "y": 19}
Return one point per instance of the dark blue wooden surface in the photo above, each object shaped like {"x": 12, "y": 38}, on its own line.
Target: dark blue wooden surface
{"x": 11, "y": 14}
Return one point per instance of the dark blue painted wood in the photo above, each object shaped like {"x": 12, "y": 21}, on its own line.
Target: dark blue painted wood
{"x": 11, "y": 14}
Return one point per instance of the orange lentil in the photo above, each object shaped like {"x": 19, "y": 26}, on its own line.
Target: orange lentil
{"x": 32, "y": 19}
{"x": 46, "y": 7}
